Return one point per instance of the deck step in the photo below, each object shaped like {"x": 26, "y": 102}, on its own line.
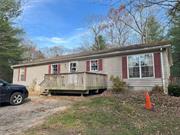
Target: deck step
{"x": 44, "y": 93}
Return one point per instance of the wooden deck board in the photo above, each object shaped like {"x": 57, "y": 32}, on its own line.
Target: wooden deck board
{"x": 80, "y": 81}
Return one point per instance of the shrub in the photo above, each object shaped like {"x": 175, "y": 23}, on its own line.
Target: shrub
{"x": 118, "y": 84}
{"x": 33, "y": 85}
{"x": 174, "y": 90}
{"x": 157, "y": 89}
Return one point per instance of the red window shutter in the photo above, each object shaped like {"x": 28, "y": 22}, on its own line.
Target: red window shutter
{"x": 124, "y": 67}
{"x": 18, "y": 74}
{"x": 25, "y": 73}
{"x": 49, "y": 69}
{"x": 157, "y": 65}
{"x": 88, "y": 65}
{"x": 100, "y": 64}
{"x": 59, "y": 68}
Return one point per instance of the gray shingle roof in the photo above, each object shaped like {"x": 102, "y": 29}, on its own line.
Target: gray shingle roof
{"x": 135, "y": 48}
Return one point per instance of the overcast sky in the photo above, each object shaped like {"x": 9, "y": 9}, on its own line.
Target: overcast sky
{"x": 58, "y": 22}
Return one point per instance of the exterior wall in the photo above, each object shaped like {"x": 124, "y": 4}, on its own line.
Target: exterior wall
{"x": 81, "y": 66}
{"x": 15, "y": 75}
{"x": 64, "y": 67}
{"x": 112, "y": 66}
{"x": 148, "y": 83}
{"x": 34, "y": 74}
{"x": 143, "y": 84}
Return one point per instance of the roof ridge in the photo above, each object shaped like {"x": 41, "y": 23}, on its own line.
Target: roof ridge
{"x": 88, "y": 53}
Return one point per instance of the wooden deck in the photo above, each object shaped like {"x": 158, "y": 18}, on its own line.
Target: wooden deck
{"x": 74, "y": 82}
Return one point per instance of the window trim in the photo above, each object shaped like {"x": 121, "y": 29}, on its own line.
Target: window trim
{"x": 140, "y": 70}
{"x": 20, "y": 77}
{"x": 70, "y": 66}
{"x": 52, "y": 68}
{"x": 97, "y": 65}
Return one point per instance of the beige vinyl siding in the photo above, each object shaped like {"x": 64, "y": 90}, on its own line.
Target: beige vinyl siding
{"x": 143, "y": 84}
{"x": 35, "y": 73}
{"x": 64, "y": 67}
{"x": 81, "y": 66}
{"x": 111, "y": 66}
{"x": 148, "y": 83}
{"x": 15, "y": 75}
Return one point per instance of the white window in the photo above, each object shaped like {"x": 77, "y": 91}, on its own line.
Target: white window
{"x": 54, "y": 69}
{"x": 140, "y": 66}
{"x": 22, "y": 74}
{"x": 134, "y": 67}
{"x": 73, "y": 66}
{"x": 94, "y": 65}
{"x": 146, "y": 65}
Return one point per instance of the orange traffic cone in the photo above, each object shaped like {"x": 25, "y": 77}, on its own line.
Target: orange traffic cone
{"x": 148, "y": 104}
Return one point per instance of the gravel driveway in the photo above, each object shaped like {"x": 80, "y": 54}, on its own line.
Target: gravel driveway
{"x": 15, "y": 119}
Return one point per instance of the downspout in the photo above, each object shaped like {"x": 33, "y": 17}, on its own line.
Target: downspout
{"x": 162, "y": 72}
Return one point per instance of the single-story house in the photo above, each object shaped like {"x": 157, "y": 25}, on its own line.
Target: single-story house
{"x": 141, "y": 66}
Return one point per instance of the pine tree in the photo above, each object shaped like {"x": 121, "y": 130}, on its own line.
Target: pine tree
{"x": 100, "y": 45}
{"x": 154, "y": 32}
{"x": 10, "y": 49}
{"x": 175, "y": 40}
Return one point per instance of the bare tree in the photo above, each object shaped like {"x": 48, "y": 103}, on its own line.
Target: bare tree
{"x": 31, "y": 52}
{"x": 109, "y": 27}
{"x": 163, "y": 3}
{"x": 53, "y": 51}
{"x": 170, "y": 4}
{"x": 138, "y": 16}
{"x": 97, "y": 25}
{"x": 138, "y": 12}
{"x": 117, "y": 31}
{"x": 85, "y": 46}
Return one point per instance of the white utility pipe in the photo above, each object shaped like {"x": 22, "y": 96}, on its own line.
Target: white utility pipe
{"x": 162, "y": 72}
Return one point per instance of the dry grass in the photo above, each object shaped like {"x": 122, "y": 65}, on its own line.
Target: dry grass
{"x": 122, "y": 114}
{"x": 34, "y": 93}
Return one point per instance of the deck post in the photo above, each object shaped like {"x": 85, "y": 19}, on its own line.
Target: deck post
{"x": 97, "y": 91}
{"x": 49, "y": 94}
{"x": 85, "y": 81}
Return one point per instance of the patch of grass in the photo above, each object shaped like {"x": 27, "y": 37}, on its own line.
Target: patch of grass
{"x": 108, "y": 116}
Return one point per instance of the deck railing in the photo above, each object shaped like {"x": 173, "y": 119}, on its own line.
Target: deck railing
{"x": 75, "y": 81}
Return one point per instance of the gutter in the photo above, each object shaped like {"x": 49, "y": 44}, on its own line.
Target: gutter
{"x": 115, "y": 53}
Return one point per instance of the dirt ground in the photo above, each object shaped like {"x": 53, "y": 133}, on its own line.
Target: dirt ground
{"x": 15, "y": 119}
